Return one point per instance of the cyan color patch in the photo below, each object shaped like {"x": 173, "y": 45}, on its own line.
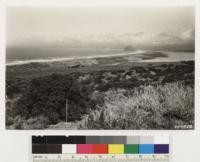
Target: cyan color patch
{"x": 146, "y": 149}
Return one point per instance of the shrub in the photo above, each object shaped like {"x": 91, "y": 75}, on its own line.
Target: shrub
{"x": 47, "y": 96}
{"x": 148, "y": 107}
{"x": 39, "y": 122}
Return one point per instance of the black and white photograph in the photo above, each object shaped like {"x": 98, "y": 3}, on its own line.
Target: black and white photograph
{"x": 100, "y": 67}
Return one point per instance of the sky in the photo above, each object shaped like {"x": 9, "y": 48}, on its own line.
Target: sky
{"x": 93, "y": 23}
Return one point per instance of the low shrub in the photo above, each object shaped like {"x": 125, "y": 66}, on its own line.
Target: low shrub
{"x": 147, "y": 107}
{"x": 39, "y": 122}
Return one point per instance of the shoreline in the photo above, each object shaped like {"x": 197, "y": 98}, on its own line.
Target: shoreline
{"x": 78, "y": 58}
{"x": 128, "y": 54}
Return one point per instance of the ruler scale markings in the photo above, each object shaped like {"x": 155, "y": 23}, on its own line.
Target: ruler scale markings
{"x": 87, "y": 157}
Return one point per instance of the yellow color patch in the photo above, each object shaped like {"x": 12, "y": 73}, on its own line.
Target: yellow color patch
{"x": 115, "y": 148}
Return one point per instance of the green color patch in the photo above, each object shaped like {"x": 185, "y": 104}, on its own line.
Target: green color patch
{"x": 131, "y": 149}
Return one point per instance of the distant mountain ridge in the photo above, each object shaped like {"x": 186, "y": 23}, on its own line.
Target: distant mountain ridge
{"x": 184, "y": 40}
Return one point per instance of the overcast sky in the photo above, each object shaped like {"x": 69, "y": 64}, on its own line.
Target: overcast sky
{"x": 56, "y": 22}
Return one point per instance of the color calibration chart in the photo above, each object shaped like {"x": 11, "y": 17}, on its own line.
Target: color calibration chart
{"x": 100, "y": 149}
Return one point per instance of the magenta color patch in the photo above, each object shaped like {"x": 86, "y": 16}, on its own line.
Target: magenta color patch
{"x": 84, "y": 148}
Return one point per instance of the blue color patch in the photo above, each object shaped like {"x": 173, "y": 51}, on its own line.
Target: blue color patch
{"x": 146, "y": 149}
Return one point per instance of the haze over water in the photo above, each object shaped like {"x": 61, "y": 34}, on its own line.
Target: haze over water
{"x": 39, "y": 34}
{"x": 28, "y": 55}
